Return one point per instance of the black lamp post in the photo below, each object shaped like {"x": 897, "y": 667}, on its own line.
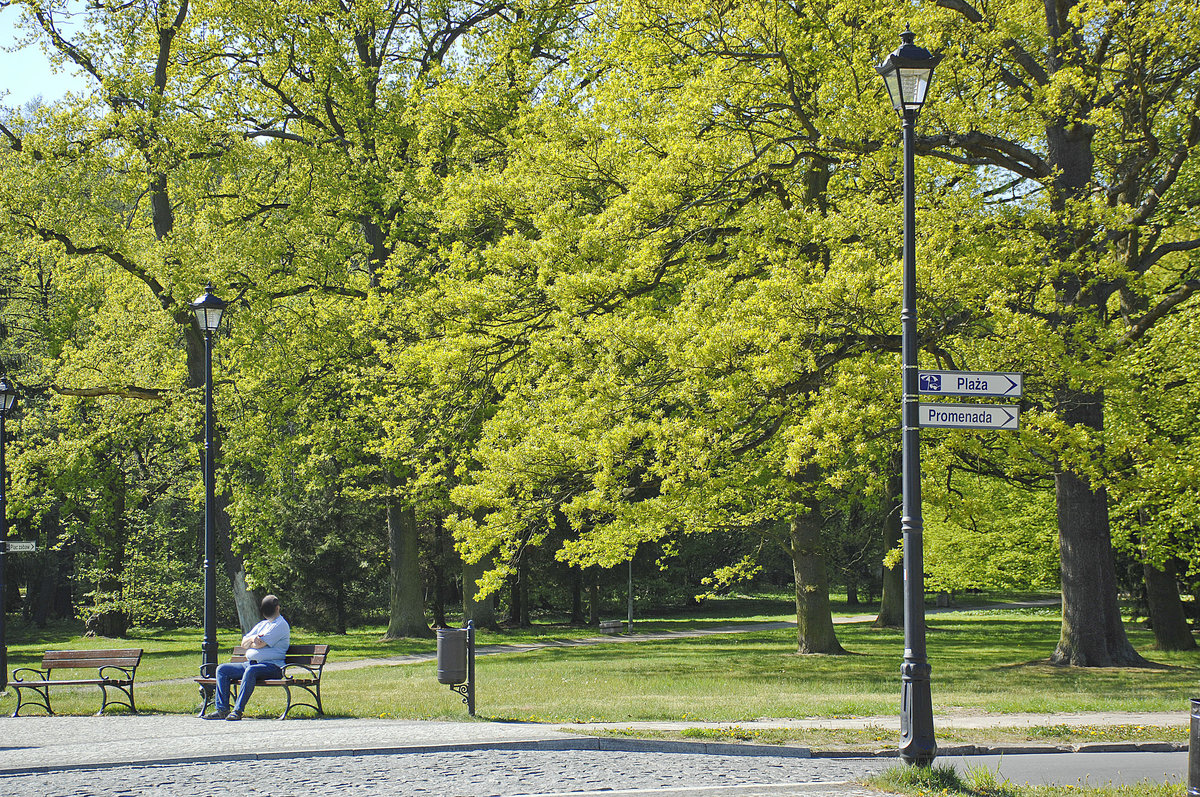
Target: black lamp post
{"x": 208, "y": 309}
{"x": 8, "y": 400}
{"x": 907, "y": 73}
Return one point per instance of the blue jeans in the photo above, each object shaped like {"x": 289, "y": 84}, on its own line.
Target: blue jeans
{"x": 249, "y": 673}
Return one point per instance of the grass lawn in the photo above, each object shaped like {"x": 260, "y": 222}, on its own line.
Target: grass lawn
{"x": 944, "y": 781}
{"x": 982, "y": 662}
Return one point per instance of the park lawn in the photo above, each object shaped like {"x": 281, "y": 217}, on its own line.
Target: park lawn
{"x": 982, "y": 662}
{"x": 943, "y": 781}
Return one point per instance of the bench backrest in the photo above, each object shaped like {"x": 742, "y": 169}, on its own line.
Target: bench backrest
{"x": 308, "y": 655}
{"x": 126, "y": 658}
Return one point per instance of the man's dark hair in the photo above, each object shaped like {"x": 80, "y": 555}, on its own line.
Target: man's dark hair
{"x": 269, "y": 605}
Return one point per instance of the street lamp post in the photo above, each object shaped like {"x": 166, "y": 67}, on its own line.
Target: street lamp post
{"x": 8, "y": 400}
{"x": 907, "y": 73}
{"x": 208, "y": 309}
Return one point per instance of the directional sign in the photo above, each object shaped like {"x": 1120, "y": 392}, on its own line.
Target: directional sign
{"x": 969, "y": 416}
{"x": 21, "y": 546}
{"x": 969, "y": 383}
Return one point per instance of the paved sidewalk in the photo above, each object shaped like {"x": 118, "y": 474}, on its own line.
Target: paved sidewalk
{"x": 182, "y": 756}
{"x": 42, "y": 744}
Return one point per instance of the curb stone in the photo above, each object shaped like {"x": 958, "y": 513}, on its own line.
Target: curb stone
{"x": 1032, "y": 749}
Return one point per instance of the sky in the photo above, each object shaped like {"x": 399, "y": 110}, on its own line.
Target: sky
{"x": 26, "y": 73}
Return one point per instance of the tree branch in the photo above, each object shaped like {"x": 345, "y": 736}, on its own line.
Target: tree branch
{"x": 1170, "y": 302}
{"x": 128, "y": 391}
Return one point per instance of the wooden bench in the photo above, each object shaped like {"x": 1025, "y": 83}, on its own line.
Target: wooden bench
{"x": 301, "y": 670}
{"x": 115, "y": 669}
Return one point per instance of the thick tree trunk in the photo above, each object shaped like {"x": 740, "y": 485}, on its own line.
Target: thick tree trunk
{"x": 483, "y": 612}
{"x": 1167, "y": 617}
{"x": 891, "y": 602}
{"x": 406, "y": 615}
{"x": 1092, "y": 631}
{"x": 814, "y": 619}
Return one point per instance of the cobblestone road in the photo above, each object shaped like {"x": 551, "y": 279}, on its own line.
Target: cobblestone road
{"x": 465, "y": 774}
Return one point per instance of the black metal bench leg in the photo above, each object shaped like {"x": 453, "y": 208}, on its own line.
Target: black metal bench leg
{"x": 41, "y": 691}
{"x": 206, "y": 697}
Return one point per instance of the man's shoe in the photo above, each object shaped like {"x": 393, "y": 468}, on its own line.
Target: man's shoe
{"x": 234, "y": 716}
{"x": 217, "y": 715}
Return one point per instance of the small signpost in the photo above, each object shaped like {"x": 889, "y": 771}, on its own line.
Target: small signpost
{"x": 970, "y": 383}
{"x": 969, "y": 416}
{"x": 21, "y": 546}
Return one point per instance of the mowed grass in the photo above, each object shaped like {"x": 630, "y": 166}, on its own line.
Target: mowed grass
{"x": 943, "y": 781}
{"x": 982, "y": 662}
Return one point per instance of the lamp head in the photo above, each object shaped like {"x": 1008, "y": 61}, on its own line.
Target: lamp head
{"x": 8, "y": 395}
{"x": 907, "y": 73}
{"x": 208, "y": 309}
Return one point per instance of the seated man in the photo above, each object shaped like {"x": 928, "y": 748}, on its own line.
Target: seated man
{"x": 266, "y": 647}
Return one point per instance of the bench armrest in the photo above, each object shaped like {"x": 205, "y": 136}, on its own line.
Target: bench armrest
{"x": 127, "y": 673}
{"x": 42, "y": 675}
{"x": 316, "y": 674}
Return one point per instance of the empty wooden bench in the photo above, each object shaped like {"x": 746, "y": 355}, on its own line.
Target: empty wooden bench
{"x": 115, "y": 669}
{"x": 301, "y": 670}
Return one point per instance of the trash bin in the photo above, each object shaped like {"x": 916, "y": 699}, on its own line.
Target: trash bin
{"x": 1194, "y": 752}
{"x": 452, "y": 656}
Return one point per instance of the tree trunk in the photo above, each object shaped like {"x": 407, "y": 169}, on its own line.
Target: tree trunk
{"x": 438, "y": 566}
{"x": 814, "y": 619}
{"x": 340, "y": 617}
{"x": 1167, "y": 618}
{"x": 406, "y": 615}
{"x": 576, "y": 596}
{"x": 891, "y": 601}
{"x": 594, "y": 597}
{"x": 1092, "y": 631}
{"x": 519, "y": 595}
{"x": 483, "y": 612}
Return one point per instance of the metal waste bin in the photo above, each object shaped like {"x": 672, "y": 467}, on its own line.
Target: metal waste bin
{"x": 451, "y": 656}
{"x": 1194, "y": 752}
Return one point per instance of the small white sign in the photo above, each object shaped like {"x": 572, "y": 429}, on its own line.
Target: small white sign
{"x": 21, "y": 546}
{"x": 969, "y": 383}
{"x": 969, "y": 416}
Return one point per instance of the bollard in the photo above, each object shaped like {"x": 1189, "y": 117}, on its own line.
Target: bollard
{"x": 1194, "y": 752}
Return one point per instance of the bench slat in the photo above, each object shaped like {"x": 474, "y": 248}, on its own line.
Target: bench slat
{"x": 64, "y": 659}
{"x": 66, "y": 682}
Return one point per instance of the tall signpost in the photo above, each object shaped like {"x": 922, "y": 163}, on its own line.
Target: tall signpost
{"x": 907, "y": 73}
{"x": 208, "y": 309}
